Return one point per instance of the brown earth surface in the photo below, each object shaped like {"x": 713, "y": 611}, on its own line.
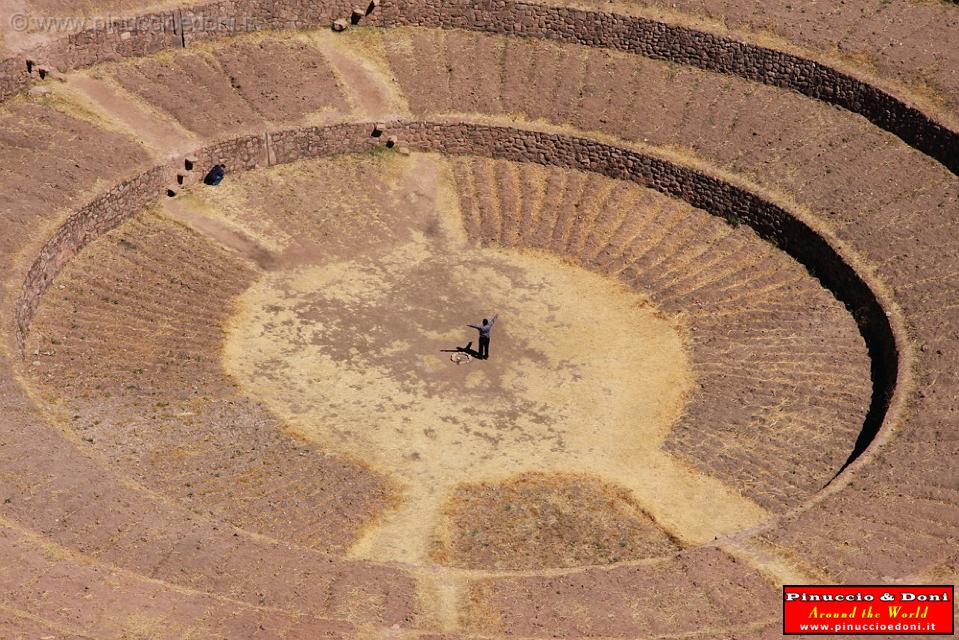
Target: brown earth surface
{"x": 888, "y": 39}
{"x": 165, "y": 476}
{"x": 51, "y": 157}
{"x": 165, "y": 411}
{"x": 828, "y": 161}
{"x": 284, "y": 221}
{"x": 237, "y": 88}
{"x": 538, "y": 520}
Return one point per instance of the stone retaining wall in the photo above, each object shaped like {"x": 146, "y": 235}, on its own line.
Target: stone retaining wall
{"x": 132, "y": 38}
{"x": 209, "y": 21}
{"x": 82, "y": 227}
{"x": 153, "y": 32}
{"x": 239, "y": 154}
{"x": 13, "y": 77}
{"x": 686, "y": 46}
{"x": 699, "y": 189}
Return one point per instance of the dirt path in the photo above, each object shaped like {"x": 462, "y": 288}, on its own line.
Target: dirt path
{"x": 192, "y": 212}
{"x": 361, "y": 72}
{"x": 164, "y": 137}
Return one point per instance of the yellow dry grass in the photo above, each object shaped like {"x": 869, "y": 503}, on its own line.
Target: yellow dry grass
{"x": 586, "y": 376}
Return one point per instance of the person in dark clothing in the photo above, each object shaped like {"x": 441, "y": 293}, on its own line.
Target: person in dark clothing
{"x": 215, "y": 176}
{"x": 484, "y": 330}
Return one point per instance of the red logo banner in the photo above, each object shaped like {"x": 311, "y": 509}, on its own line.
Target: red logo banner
{"x": 868, "y": 610}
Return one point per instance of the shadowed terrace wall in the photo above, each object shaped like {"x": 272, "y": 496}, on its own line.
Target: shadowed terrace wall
{"x": 695, "y": 187}
{"x": 153, "y": 32}
{"x": 686, "y": 46}
{"x": 81, "y": 228}
{"x": 110, "y": 210}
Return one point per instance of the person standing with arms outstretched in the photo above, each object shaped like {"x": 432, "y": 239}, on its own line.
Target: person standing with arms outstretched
{"x": 484, "y": 331}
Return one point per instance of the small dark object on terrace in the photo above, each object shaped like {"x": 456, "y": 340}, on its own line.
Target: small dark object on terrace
{"x": 216, "y": 175}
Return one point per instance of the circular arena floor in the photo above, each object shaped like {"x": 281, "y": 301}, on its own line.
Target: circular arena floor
{"x": 723, "y": 359}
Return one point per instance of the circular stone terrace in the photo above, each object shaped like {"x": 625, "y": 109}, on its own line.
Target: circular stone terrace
{"x": 723, "y": 266}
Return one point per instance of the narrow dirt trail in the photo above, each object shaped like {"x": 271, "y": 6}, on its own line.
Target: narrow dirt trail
{"x": 164, "y": 137}
{"x": 362, "y": 73}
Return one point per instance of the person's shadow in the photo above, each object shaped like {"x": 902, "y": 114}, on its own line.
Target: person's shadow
{"x": 468, "y": 349}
